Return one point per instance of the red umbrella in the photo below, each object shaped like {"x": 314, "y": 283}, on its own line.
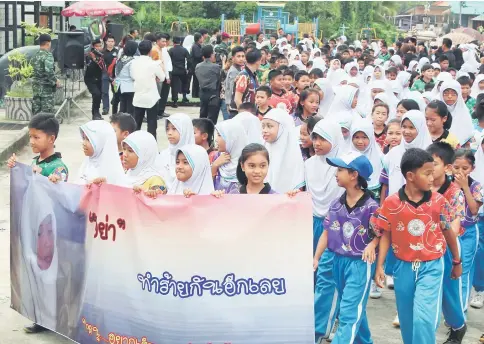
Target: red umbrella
{"x": 96, "y": 9}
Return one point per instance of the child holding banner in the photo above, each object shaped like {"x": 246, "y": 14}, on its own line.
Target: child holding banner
{"x": 349, "y": 237}
{"x": 179, "y": 131}
{"x": 321, "y": 184}
{"x": 193, "y": 172}
{"x": 139, "y": 156}
{"x": 102, "y": 163}
{"x": 43, "y": 131}
{"x": 231, "y": 139}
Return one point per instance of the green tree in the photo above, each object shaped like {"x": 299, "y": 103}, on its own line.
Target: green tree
{"x": 246, "y": 8}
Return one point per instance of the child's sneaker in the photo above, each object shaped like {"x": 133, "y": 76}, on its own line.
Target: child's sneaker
{"x": 375, "y": 292}
{"x": 478, "y": 300}
{"x": 396, "y": 322}
{"x": 390, "y": 283}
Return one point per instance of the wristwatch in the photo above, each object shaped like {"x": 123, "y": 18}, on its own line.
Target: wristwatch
{"x": 456, "y": 262}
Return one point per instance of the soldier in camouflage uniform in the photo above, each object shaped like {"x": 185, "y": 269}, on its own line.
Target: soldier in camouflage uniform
{"x": 44, "y": 82}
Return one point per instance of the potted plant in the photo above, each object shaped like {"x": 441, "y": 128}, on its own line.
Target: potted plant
{"x": 18, "y": 102}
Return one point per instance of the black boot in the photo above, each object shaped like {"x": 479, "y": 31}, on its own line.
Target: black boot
{"x": 456, "y": 336}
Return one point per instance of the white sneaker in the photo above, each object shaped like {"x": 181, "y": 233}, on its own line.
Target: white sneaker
{"x": 375, "y": 292}
{"x": 396, "y": 321}
{"x": 390, "y": 283}
{"x": 478, "y": 300}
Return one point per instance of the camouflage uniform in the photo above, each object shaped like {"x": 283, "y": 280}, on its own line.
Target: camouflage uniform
{"x": 44, "y": 82}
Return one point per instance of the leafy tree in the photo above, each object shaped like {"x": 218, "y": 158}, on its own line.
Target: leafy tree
{"x": 246, "y": 8}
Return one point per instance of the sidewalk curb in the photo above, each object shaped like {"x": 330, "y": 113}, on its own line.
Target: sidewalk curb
{"x": 20, "y": 140}
{"x": 17, "y": 143}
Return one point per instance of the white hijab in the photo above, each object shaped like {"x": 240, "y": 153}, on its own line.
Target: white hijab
{"x": 462, "y": 126}
{"x": 201, "y": 181}
{"x": 166, "y": 160}
{"x": 286, "y": 168}
{"x": 320, "y": 176}
{"x": 337, "y": 77}
{"x": 319, "y": 63}
{"x": 313, "y": 53}
{"x": 328, "y": 95}
{"x": 470, "y": 62}
{"x": 235, "y": 137}
{"x": 411, "y": 65}
{"x": 441, "y": 78}
{"x": 404, "y": 79}
{"x": 105, "y": 162}
{"x": 145, "y": 147}
{"x": 382, "y": 76}
{"x": 372, "y": 152}
{"x": 349, "y": 67}
{"x": 422, "y": 62}
{"x": 390, "y": 102}
{"x": 392, "y": 160}
{"x": 39, "y": 287}
{"x": 419, "y": 98}
{"x": 397, "y": 88}
{"x": 341, "y": 110}
{"x": 475, "y": 91}
{"x": 367, "y": 72}
{"x": 397, "y": 60}
{"x": 252, "y": 127}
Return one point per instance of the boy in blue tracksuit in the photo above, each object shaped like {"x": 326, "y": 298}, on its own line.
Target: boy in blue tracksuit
{"x": 416, "y": 222}
{"x": 348, "y": 236}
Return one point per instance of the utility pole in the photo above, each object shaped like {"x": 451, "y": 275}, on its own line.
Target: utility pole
{"x": 460, "y": 13}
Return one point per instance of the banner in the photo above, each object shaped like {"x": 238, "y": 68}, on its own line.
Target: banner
{"x": 128, "y": 269}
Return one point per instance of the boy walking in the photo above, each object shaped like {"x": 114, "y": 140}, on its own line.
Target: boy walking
{"x": 417, "y": 223}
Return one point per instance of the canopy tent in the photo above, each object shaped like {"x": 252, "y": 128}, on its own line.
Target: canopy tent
{"x": 96, "y": 9}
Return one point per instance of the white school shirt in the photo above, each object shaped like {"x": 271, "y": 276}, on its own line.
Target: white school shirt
{"x": 167, "y": 65}
{"x": 144, "y": 72}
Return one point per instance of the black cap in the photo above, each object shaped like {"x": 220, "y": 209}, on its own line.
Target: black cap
{"x": 44, "y": 38}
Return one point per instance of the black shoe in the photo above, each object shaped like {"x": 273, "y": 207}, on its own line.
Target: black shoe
{"x": 97, "y": 117}
{"x": 174, "y": 105}
{"x": 105, "y": 112}
{"x": 35, "y": 328}
{"x": 185, "y": 100}
{"x": 456, "y": 336}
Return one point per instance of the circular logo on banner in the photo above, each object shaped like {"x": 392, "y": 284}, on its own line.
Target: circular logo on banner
{"x": 348, "y": 229}
{"x": 416, "y": 227}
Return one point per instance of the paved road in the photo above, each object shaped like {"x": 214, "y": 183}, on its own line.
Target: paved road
{"x": 381, "y": 312}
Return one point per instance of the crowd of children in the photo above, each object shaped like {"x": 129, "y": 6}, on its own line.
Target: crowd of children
{"x": 395, "y": 176}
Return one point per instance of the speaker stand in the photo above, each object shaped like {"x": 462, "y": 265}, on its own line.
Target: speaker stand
{"x": 67, "y": 103}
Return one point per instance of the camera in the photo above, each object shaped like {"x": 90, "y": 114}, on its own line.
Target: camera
{"x": 97, "y": 52}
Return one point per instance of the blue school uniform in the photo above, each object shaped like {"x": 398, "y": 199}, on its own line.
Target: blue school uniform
{"x": 348, "y": 235}
{"x": 470, "y": 242}
{"x": 478, "y": 283}
{"x": 452, "y": 303}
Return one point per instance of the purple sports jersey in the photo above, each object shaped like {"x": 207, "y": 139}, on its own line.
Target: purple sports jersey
{"x": 478, "y": 194}
{"x": 348, "y": 228}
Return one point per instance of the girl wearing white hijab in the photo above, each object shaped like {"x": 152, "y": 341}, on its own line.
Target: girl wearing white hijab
{"x": 441, "y": 78}
{"x": 38, "y": 238}
{"x": 319, "y": 63}
{"x": 231, "y": 140}
{"x": 469, "y": 56}
{"x": 193, "y": 173}
{"x": 462, "y": 126}
{"x": 252, "y": 127}
{"x": 179, "y": 130}
{"x": 372, "y": 151}
{"x": 379, "y": 74}
{"x": 396, "y": 61}
{"x": 326, "y": 95}
{"x": 349, "y": 67}
{"x": 404, "y": 80}
{"x": 397, "y": 88}
{"x": 140, "y": 152}
{"x": 344, "y": 104}
{"x": 286, "y": 170}
{"x": 102, "y": 158}
{"x": 392, "y": 175}
{"x": 338, "y": 78}
{"x": 412, "y": 66}
{"x": 419, "y": 98}
{"x": 390, "y": 102}
{"x": 322, "y": 185}
{"x": 476, "y": 89}
{"x": 316, "y": 52}
{"x": 367, "y": 74}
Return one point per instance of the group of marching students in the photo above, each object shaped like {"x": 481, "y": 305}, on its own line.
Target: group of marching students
{"x": 390, "y": 150}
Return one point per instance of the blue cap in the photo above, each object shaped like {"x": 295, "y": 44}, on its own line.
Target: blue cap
{"x": 354, "y": 161}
